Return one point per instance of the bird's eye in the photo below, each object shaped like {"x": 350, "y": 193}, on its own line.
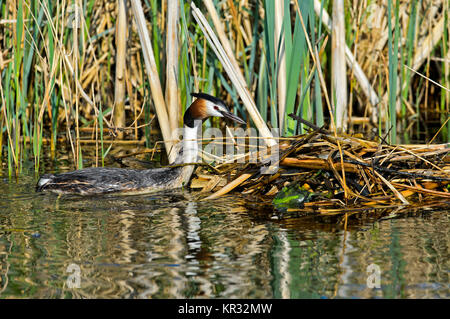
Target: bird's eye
{"x": 216, "y": 107}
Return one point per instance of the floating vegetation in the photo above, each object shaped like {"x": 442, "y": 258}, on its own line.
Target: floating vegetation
{"x": 325, "y": 174}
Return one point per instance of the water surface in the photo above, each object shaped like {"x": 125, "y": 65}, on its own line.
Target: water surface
{"x": 170, "y": 245}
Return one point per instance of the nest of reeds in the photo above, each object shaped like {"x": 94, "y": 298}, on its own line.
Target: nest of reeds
{"x": 330, "y": 174}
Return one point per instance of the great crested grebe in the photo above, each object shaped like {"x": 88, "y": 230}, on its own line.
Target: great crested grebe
{"x": 99, "y": 180}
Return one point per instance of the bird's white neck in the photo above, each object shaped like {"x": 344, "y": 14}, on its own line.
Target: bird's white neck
{"x": 187, "y": 153}
{"x": 189, "y": 145}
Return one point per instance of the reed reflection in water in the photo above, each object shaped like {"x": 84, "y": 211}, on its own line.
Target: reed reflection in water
{"x": 169, "y": 245}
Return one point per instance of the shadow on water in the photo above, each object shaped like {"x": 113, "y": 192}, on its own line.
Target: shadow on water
{"x": 170, "y": 245}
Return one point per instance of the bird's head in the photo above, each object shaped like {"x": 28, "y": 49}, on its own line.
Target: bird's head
{"x": 206, "y": 106}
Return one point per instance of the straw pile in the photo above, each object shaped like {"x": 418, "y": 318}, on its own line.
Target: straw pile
{"x": 327, "y": 174}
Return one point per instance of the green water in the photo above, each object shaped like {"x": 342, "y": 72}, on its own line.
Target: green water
{"x": 171, "y": 245}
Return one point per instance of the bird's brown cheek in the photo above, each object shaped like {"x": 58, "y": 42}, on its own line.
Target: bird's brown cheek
{"x": 198, "y": 110}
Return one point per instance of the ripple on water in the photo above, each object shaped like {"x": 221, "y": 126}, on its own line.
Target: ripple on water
{"x": 174, "y": 246}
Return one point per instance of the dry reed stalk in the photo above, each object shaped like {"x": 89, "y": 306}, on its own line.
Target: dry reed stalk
{"x": 78, "y": 85}
{"x": 427, "y": 78}
{"x": 114, "y": 141}
{"x": 351, "y": 78}
{"x": 153, "y": 77}
{"x": 229, "y": 187}
{"x": 425, "y": 154}
{"x": 222, "y": 36}
{"x": 428, "y": 44}
{"x": 315, "y": 56}
{"x": 339, "y": 70}
{"x": 447, "y": 73}
{"x": 281, "y": 74}
{"x": 66, "y": 111}
{"x": 427, "y": 190}
{"x": 230, "y": 65}
{"x": 369, "y": 173}
{"x": 322, "y": 83}
{"x": 422, "y": 53}
{"x": 351, "y": 61}
{"x": 421, "y": 158}
{"x": 317, "y": 163}
{"x": 392, "y": 188}
{"x": 75, "y": 52}
{"x": 236, "y": 20}
{"x": 8, "y": 130}
{"x": 172, "y": 54}
{"x": 121, "y": 47}
{"x": 211, "y": 184}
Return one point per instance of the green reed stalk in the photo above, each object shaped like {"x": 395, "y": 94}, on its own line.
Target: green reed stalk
{"x": 100, "y": 125}
{"x": 407, "y": 54}
{"x": 271, "y": 58}
{"x": 156, "y": 36}
{"x": 393, "y": 42}
{"x": 2, "y": 97}
{"x": 298, "y": 77}
{"x": 263, "y": 86}
{"x": 32, "y": 38}
{"x": 37, "y": 134}
{"x": 318, "y": 106}
{"x": 249, "y": 73}
{"x": 53, "y": 98}
{"x": 2, "y": 128}
{"x": 305, "y": 104}
{"x": 8, "y": 106}
{"x": 32, "y": 43}
{"x": 89, "y": 12}
{"x": 19, "y": 99}
{"x": 409, "y": 48}
{"x": 445, "y": 80}
{"x": 295, "y": 54}
{"x": 185, "y": 83}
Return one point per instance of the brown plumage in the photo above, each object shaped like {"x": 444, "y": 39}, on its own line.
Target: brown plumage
{"x": 198, "y": 109}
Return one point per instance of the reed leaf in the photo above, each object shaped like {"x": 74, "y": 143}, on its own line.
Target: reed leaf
{"x": 393, "y": 41}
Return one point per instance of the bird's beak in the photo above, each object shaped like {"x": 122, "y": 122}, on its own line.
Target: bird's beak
{"x": 233, "y": 117}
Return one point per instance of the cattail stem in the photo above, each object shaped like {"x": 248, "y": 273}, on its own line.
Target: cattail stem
{"x": 121, "y": 46}
{"x": 153, "y": 77}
